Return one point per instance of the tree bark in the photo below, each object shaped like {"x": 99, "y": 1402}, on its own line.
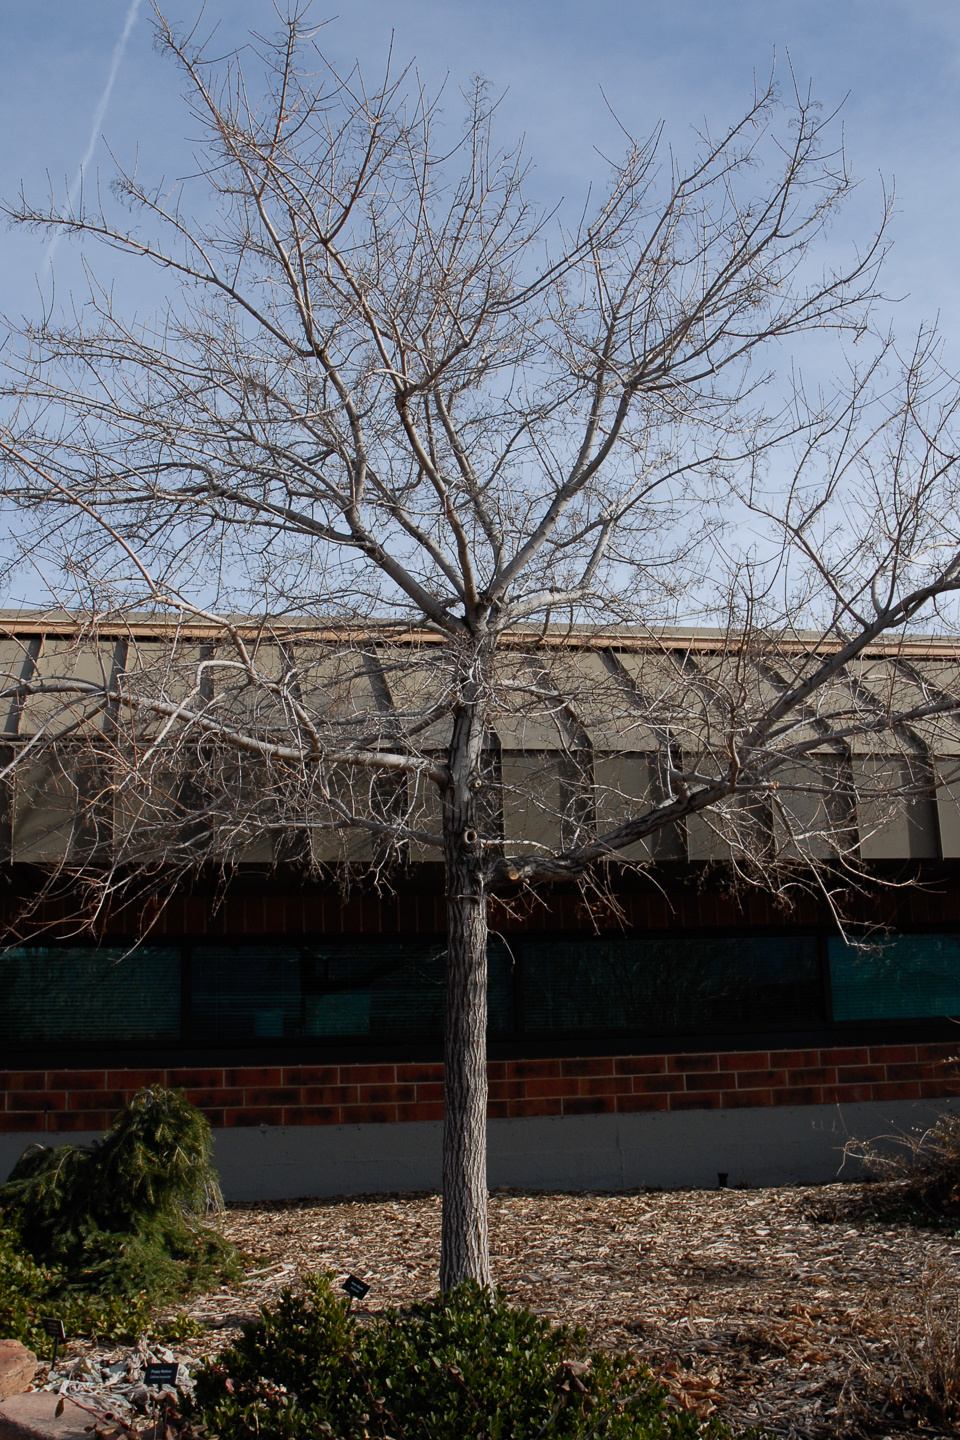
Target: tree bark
{"x": 464, "y": 1250}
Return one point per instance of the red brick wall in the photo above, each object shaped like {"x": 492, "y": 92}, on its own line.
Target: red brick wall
{"x": 64, "y": 1100}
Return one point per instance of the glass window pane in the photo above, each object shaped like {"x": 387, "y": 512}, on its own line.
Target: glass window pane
{"x": 381, "y": 991}
{"x": 391, "y": 989}
{"x": 906, "y": 976}
{"x": 665, "y": 985}
{"x": 378, "y": 990}
{"x": 245, "y": 992}
{"x": 500, "y": 989}
{"x": 78, "y": 994}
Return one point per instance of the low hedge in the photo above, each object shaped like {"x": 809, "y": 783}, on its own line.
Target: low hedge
{"x": 466, "y": 1366}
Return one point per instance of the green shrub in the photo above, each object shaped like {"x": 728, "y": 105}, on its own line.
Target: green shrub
{"x": 465, "y": 1366}
{"x": 29, "y": 1291}
{"x": 180, "y": 1328}
{"x": 126, "y": 1214}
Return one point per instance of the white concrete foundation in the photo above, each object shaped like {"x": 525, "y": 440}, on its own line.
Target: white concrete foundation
{"x": 796, "y": 1144}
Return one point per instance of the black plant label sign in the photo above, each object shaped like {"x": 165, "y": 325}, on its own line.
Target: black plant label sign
{"x": 355, "y": 1288}
{"x": 165, "y": 1373}
{"x": 54, "y": 1328}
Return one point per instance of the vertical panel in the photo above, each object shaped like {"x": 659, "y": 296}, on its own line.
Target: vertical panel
{"x": 703, "y": 840}
{"x": 333, "y": 843}
{"x": 948, "y": 806}
{"x": 532, "y": 800}
{"x": 18, "y": 662}
{"x": 426, "y": 813}
{"x": 57, "y": 809}
{"x": 803, "y": 820}
{"x": 238, "y": 833}
{"x": 893, "y": 828}
{"x": 6, "y": 808}
{"x": 627, "y": 785}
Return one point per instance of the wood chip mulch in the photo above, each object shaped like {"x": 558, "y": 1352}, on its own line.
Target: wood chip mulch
{"x": 772, "y": 1308}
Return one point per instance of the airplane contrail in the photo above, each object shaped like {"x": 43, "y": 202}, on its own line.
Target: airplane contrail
{"x": 99, "y": 113}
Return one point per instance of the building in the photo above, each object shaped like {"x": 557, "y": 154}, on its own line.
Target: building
{"x": 683, "y": 1032}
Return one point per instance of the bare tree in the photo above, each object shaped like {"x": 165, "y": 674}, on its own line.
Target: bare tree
{"x": 460, "y": 465}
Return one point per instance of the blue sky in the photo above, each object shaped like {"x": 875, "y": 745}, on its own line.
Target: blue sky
{"x": 899, "y": 61}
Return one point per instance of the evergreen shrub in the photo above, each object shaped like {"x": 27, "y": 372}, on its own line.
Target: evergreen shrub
{"x": 29, "y": 1291}
{"x": 127, "y": 1214}
{"x": 466, "y": 1366}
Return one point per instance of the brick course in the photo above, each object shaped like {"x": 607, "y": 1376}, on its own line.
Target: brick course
{"x": 64, "y": 1100}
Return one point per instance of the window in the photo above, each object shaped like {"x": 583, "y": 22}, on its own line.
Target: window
{"x": 343, "y": 990}
{"x": 379, "y": 991}
{"x": 79, "y": 994}
{"x": 244, "y": 992}
{"x": 653, "y": 986}
{"x": 906, "y": 976}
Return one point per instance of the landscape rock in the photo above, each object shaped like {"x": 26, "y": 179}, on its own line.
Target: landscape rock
{"x": 18, "y": 1365}
{"x": 33, "y": 1417}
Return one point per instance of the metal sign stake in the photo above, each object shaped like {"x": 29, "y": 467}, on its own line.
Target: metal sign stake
{"x": 161, "y": 1372}
{"x": 55, "y": 1329}
{"x": 355, "y": 1288}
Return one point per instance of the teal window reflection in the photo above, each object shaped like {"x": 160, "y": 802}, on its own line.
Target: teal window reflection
{"x": 905, "y": 977}
{"x": 77, "y": 994}
{"x": 385, "y": 990}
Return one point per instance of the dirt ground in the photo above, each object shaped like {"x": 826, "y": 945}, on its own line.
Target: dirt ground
{"x": 780, "y": 1308}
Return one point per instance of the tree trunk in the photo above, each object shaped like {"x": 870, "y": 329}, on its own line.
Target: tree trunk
{"x": 464, "y": 1251}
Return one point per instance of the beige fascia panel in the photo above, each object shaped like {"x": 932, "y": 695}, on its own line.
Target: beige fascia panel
{"x": 336, "y": 688}
{"x": 532, "y": 802}
{"x": 170, "y": 674}
{"x": 417, "y": 682}
{"x": 14, "y": 657}
{"x": 892, "y": 829}
{"x": 664, "y": 690}
{"x": 606, "y": 708}
{"x": 947, "y": 771}
{"x": 61, "y": 659}
{"x": 523, "y": 719}
{"x": 939, "y": 683}
{"x": 627, "y": 787}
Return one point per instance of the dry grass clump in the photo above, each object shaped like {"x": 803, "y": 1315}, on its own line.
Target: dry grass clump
{"x": 908, "y": 1365}
{"x": 919, "y": 1173}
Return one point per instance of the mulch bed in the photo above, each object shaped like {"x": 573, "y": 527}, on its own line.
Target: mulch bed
{"x": 782, "y": 1308}
{"x": 767, "y": 1306}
